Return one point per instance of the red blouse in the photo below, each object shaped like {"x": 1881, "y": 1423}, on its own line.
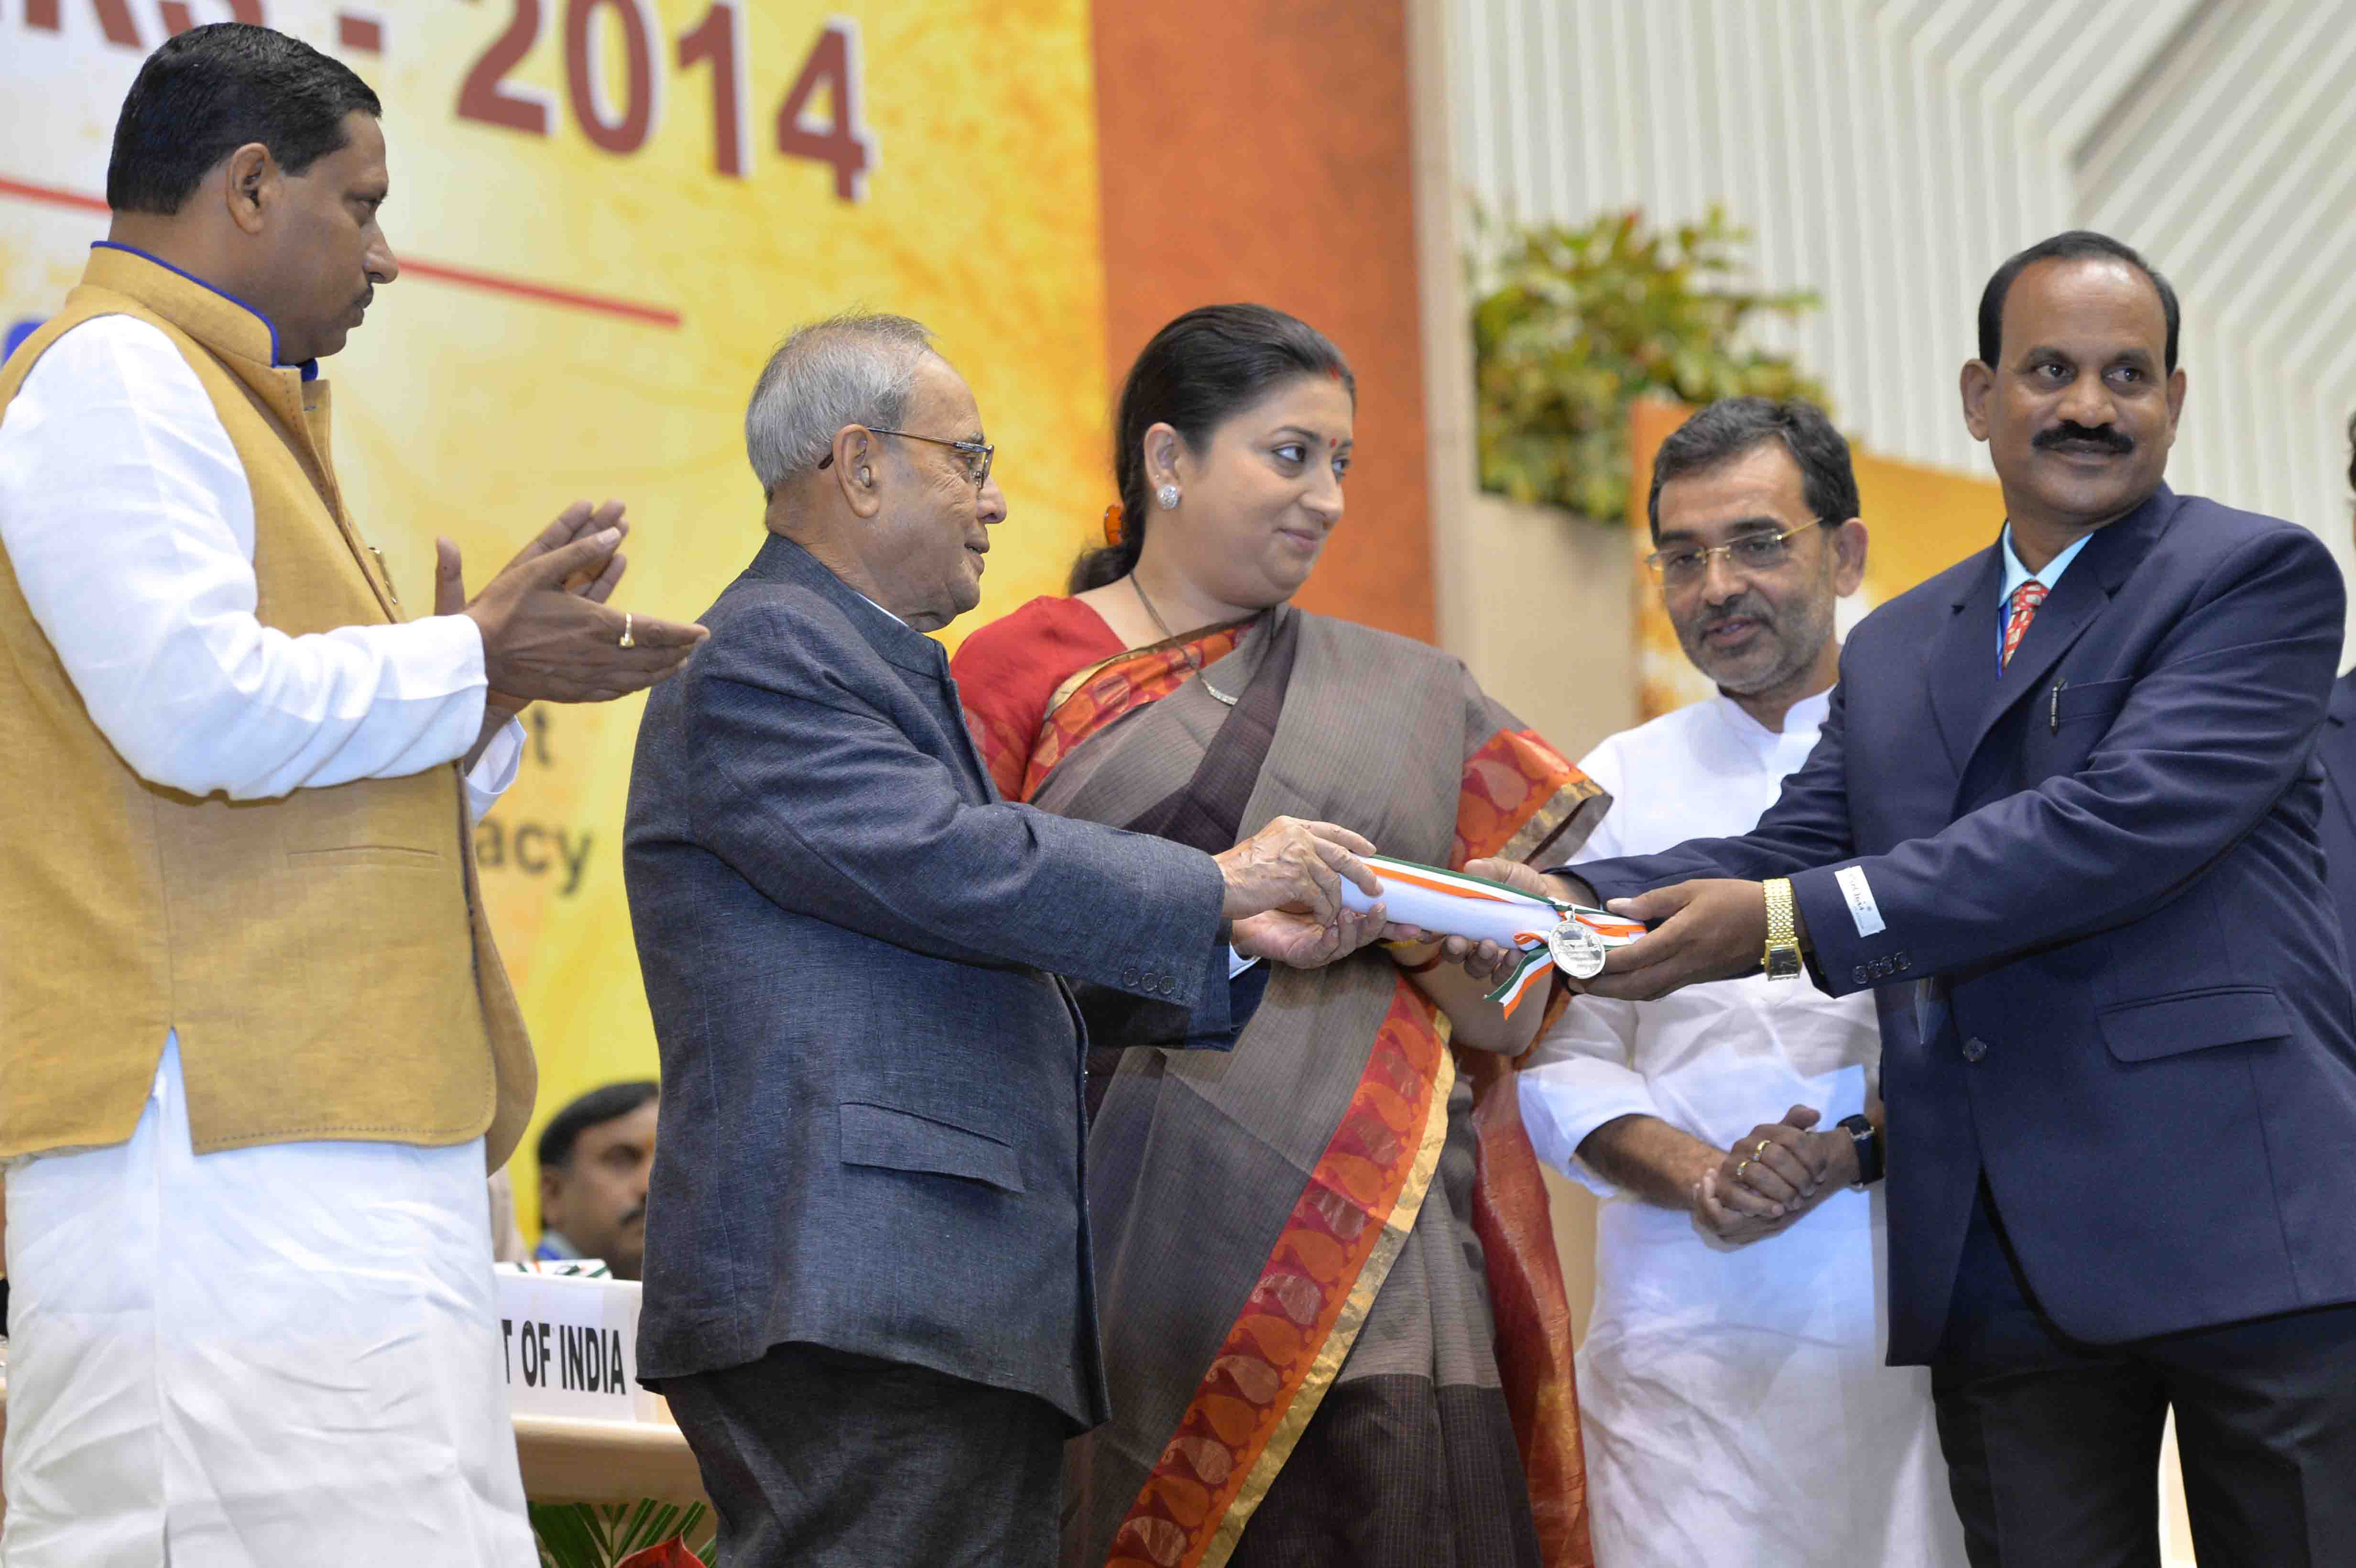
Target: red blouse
{"x": 1007, "y": 673}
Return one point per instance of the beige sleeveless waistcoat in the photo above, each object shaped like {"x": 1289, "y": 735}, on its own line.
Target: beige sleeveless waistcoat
{"x": 324, "y": 956}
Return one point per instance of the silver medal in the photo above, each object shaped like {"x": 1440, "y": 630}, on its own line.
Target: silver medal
{"x": 1576, "y": 950}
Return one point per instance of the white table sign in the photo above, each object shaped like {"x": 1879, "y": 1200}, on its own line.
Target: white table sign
{"x": 571, "y": 1346}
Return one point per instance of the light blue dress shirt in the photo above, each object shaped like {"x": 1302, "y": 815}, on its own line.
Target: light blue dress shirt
{"x": 2015, "y": 574}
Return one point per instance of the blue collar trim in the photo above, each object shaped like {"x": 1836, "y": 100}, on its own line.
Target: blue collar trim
{"x": 310, "y": 368}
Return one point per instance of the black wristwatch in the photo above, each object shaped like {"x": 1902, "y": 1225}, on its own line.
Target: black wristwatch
{"x": 1867, "y": 1137}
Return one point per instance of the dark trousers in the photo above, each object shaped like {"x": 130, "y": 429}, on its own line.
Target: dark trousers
{"x": 815, "y": 1458}
{"x": 2053, "y": 1446}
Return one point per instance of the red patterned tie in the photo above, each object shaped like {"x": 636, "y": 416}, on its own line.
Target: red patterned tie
{"x": 2025, "y": 601}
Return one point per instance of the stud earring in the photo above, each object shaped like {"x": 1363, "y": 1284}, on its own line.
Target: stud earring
{"x": 1168, "y": 497}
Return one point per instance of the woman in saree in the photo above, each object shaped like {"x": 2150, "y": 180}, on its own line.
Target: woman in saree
{"x": 1334, "y": 1323}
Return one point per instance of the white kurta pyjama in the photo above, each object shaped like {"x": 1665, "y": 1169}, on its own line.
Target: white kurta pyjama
{"x": 286, "y": 1354}
{"x": 1734, "y": 1401}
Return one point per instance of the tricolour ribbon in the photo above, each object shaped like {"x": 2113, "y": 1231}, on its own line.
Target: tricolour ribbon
{"x": 1545, "y": 931}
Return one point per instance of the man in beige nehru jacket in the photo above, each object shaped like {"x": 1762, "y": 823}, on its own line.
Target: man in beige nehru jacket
{"x": 256, "y": 1046}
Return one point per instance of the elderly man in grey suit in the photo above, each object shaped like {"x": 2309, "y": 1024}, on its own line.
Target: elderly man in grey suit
{"x": 868, "y": 1290}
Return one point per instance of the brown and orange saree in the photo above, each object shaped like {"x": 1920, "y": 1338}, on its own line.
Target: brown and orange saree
{"x": 1334, "y": 1318}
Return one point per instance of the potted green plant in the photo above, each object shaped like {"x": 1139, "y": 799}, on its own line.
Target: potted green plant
{"x": 646, "y": 1534}
{"x": 1571, "y": 326}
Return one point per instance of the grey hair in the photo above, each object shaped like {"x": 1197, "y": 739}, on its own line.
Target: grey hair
{"x": 854, "y": 369}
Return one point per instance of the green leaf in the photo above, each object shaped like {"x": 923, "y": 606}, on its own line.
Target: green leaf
{"x": 587, "y": 1535}
{"x": 567, "y": 1536}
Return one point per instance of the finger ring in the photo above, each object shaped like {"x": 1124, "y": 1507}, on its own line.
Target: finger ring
{"x": 1741, "y": 1168}
{"x": 627, "y": 640}
{"x": 1761, "y": 1152}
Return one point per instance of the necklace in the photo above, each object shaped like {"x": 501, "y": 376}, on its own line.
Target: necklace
{"x": 1164, "y": 626}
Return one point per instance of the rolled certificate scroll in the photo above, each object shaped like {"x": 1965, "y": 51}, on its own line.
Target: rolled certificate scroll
{"x": 1569, "y": 937}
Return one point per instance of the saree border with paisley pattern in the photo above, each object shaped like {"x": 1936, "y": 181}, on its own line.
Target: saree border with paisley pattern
{"x": 1106, "y": 692}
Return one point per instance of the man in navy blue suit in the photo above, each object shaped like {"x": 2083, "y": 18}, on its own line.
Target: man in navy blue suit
{"x": 2062, "y": 821}
{"x": 2335, "y": 747}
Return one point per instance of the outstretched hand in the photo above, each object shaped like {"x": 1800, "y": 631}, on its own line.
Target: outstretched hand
{"x": 1295, "y": 865}
{"x": 1709, "y": 929}
{"x": 1286, "y": 937}
{"x": 547, "y": 629}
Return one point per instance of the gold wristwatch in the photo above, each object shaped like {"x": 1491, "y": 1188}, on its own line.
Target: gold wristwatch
{"x": 1783, "y": 956}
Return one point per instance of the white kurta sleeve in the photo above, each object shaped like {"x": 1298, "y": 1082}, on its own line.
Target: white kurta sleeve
{"x": 1579, "y": 1075}
{"x": 494, "y": 770}
{"x": 129, "y": 523}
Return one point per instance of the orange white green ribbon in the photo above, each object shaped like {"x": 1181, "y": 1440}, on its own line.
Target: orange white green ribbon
{"x": 1547, "y": 932}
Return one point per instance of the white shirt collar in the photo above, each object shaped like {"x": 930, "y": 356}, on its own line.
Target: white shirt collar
{"x": 2015, "y": 574}
{"x": 881, "y": 607}
{"x": 1807, "y": 714}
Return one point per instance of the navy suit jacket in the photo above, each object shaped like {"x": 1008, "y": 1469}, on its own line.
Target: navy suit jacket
{"x": 2335, "y": 747}
{"x": 871, "y": 1133}
{"x": 2109, "y": 976}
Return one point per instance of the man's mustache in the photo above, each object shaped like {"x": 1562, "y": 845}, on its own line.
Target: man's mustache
{"x": 1738, "y": 609}
{"x": 2105, "y": 435}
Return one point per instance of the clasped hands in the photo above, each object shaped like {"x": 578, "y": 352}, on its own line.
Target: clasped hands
{"x": 1284, "y": 901}
{"x": 1772, "y": 1176}
{"x": 1713, "y": 928}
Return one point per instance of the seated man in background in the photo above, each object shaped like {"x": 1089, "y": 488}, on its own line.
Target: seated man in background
{"x": 594, "y": 1158}
{"x": 1706, "y": 1322}
{"x": 868, "y": 1278}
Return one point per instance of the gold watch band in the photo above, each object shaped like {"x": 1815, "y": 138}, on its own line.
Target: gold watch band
{"x": 1781, "y": 957}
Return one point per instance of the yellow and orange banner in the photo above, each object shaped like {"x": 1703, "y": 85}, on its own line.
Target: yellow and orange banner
{"x": 608, "y": 212}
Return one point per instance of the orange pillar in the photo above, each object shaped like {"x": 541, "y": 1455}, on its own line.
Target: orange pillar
{"x": 1260, "y": 150}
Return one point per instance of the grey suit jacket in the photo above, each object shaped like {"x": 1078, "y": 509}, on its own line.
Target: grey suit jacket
{"x": 871, "y": 1136}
